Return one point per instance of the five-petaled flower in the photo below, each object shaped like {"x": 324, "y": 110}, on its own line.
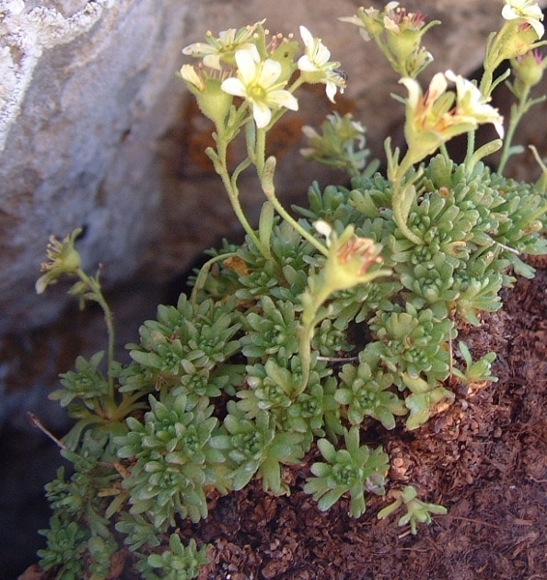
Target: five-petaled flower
{"x": 223, "y": 48}
{"x": 257, "y": 82}
{"x": 316, "y": 67}
{"x": 526, "y": 11}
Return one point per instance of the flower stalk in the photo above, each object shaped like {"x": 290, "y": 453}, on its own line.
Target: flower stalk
{"x": 519, "y": 34}
{"x": 64, "y": 259}
{"x": 348, "y": 263}
{"x": 528, "y": 70}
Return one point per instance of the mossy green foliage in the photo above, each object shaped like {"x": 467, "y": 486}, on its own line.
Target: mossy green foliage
{"x": 220, "y": 375}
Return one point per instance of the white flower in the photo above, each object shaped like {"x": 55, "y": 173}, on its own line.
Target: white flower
{"x": 227, "y": 43}
{"x": 257, "y": 82}
{"x": 471, "y": 103}
{"x": 526, "y": 11}
{"x": 315, "y": 61}
{"x": 317, "y": 54}
{"x": 434, "y": 112}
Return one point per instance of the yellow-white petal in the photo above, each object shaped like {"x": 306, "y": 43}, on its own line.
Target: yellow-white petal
{"x": 438, "y": 85}
{"x": 262, "y": 114}
{"x": 189, "y": 74}
{"x": 331, "y": 91}
{"x": 282, "y": 98}
{"x": 269, "y": 73}
{"x": 306, "y": 35}
{"x": 414, "y": 91}
{"x": 246, "y": 65}
{"x": 234, "y": 86}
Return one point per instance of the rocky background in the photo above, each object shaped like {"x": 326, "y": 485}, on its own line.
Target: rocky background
{"x": 97, "y": 131}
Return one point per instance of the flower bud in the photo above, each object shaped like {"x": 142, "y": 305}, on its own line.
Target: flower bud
{"x": 518, "y": 40}
{"x": 403, "y": 44}
{"x": 528, "y": 69}
{"x": 212, "y": 101}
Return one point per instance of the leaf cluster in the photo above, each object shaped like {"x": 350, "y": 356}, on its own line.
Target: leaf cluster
{"x": 215, "y": 395}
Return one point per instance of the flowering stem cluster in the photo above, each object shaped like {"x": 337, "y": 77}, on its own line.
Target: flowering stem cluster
{"x": 398, "y": 34}
{"x": 528, "y": 71}
{"x": 98, "y": 394}
{"x": 342, "y": 145}
{"x": 431, "y": 120}
{"x": 348, "y": 263}
{"x": 63, "y": 258}
{"x": 519, "y": 35}
{"x": 257, "y": 72}
{"x": 438, "y": 115}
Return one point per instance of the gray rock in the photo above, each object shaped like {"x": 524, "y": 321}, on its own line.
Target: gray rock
{"x": 88, "y": 103}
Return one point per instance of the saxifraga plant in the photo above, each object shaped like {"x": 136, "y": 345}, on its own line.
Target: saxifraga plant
{"x": 312, "y": 330}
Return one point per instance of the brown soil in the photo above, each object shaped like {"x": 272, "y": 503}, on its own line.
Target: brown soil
{"x": 485, "y": 459}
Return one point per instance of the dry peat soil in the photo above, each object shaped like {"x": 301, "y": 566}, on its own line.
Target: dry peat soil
{"x": 484, "y": 458}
